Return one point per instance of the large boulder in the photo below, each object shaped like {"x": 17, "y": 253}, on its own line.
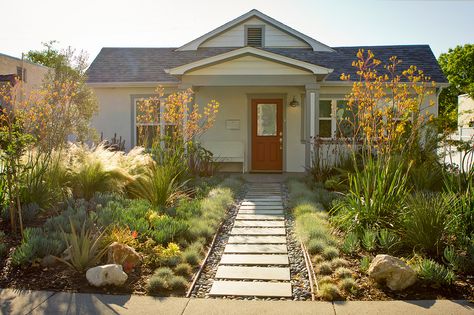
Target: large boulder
{"x": 123, "y": 255}
{"x": 396, "y": 274}
{"x": 106, "y": 275}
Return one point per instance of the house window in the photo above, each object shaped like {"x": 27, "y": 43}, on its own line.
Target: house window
{"x": 21, "y": 74}
{"x": 336, "y": 119}
{"x": 254, "y": 36}
{"x": 147, "y": 121}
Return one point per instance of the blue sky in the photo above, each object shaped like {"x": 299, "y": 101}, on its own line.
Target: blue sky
{"x": 92, "y": 24}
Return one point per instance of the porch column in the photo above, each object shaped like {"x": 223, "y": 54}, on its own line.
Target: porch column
{"x": 311, "y": 121}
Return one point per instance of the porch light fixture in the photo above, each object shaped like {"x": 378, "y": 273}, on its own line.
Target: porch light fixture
{"x": 294, "y": 102}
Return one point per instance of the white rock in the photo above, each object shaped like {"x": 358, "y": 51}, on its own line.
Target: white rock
{"x": 105, "y": 275}
{"x": 390, "y": 270}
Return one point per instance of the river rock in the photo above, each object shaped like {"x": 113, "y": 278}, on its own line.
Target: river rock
{"x": 395, "y": 273}
{"x": 112, "y": 274}
{"x": 123, "y": 255}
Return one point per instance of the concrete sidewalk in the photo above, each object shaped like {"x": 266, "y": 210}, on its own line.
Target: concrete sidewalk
{"x": 44, "y": 302}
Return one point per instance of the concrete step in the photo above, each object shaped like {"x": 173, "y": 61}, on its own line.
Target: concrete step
{"x": 257, "y": 216}
{"x": 256, "y": 249}
{"x": 255, "y": 259}
{"x": 260, "y": 211}
{"x": 258, "y": 231}
{"x": 273, "y": 207}
{"x": 265, "y": 223}
{"x": 259, "y": 239}
{"x": 253, "y": 273}
{"x": 240, "y": 288}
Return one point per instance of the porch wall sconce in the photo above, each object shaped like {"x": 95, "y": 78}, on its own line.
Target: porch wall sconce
{"x": 294, "y": 102}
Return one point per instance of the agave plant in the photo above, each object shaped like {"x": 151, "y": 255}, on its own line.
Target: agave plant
{"x": 85, "y": 248}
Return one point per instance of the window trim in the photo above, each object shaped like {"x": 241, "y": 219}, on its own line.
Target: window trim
{"x": 333, "y": 117}
{"x": 260, "y": 26}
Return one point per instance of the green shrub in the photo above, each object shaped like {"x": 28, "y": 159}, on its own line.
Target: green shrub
{"x": 163, "y": 272}
{"x": 342, "y": 272}
{"x": 365, "y": 264}
{"x": 325, "y": 279}
{"x": 36, "y": 244}
{"x": 375, "y": 196}
{"x": 307, "y": 207}
{"x": 183, "y": 269}
{"x": 351, "y": 243}
{"x": 452, "y": 259}
{"x": 369, "y": 240}
{"x": 191, "y": 256}
{"x": 339, "y": 262}
{"x": 316, "y": 246}
{"x": 3, "y": 246}
{"x": 425, "y": 222}
{"x": 388, "y": 240}
{"x": 330, "y": 252}
{"x": 159, "y": 184}
{"x": 85, "y": 248}
{"x": 324, "y": 268}
{"x": 178, "y": 283}
{"x": 329, "y": 292}
{"x": 156, "y": 285}
{"x": 431, "y": 271}
{"x": 348, "y": 285}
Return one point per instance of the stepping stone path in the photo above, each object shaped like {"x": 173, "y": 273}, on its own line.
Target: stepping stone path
{"x": 255, "y": 261}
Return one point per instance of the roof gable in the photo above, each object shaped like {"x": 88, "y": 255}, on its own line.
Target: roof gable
{"x": 277, "y": 35}
{"x": 262, "y": 55}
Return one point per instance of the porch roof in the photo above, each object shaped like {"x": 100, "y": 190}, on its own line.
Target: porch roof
{"x": 135, "y": 65}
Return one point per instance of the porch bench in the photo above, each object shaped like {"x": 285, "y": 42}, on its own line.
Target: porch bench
{"x": 227, "y": 151}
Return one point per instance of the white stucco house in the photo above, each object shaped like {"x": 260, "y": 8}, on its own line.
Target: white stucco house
{"x": 278, "y": 88}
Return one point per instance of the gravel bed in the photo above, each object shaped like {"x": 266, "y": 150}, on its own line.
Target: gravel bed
{"x": 298, "y": 271}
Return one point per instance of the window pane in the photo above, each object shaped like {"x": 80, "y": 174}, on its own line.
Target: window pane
{"x": 266, "y": 119}
{"x": 325, "y": 108}
{"x": 325, "y": 128}
{"x": 346, "y": 119}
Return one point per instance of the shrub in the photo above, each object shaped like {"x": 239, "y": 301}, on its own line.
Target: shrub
{"x": 348, "y": 284}
{"x": 365, "y": 264}
{"x": 374, "y": 198}
{"x": 177, "y": 283}
{"x": 351, "y": 243}
{"x": 307, "y": 207}
{"x": 324, "y": 268}
{"x": 317, "y": 259}
{"x": 343, "y": 272}
{"x": 316, "y": 246}
{"x": 36, "y": 244}
{"x": 325, "y": 279}
{"x": 85, "y": 248}
{"x": 163, "y": 272}
{"x": 431, "y": 271}
{"x": 369, "y": 240}
{"x": 191, "y": 256}
{"x": 388, "y": 240}
{"x": 425, "y": 222}
{"x": 156, "y": 284}
{"x": 330, "y": 252}
{"x": 453, "y": 260}
{"x": 329, "y": 292}
{"x": 183, "y": 269}
{"x": 339, "y": 262}
{"x": 159, "y": 184}
{"x": 3, "y": 246}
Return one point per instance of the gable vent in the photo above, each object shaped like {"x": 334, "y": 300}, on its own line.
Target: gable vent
{"x": 255, "y": 36}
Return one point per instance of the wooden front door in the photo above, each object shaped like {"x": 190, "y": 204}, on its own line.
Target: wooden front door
{"x": 267, "y": 135}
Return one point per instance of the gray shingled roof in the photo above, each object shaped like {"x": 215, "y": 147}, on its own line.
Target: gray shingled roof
{"x": 148, "y": 64}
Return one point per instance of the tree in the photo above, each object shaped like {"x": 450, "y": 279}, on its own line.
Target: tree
{"x": 458, "y": 66}
{"x": 68, "y": 68}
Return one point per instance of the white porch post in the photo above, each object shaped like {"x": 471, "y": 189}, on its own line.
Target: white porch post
{"x": 311, "y": 121}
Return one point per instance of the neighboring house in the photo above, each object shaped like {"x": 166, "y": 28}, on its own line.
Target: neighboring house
{"x": 31, "y": 74}
{"x": 278, "y": 88}
{"x": 465, "y": 111}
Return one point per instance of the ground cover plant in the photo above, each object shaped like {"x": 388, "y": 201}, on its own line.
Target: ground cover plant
{"x": 397, "y": 198}
{"x": 77, "y": 206}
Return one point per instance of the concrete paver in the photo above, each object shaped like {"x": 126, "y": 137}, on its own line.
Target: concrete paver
{"x": 255, "y": 259}
{"x": 258, "y": 231}
{"x": 260, "y": 211}
{"x": 257, "y": 273}
{"x": 256, "y": 248}
{"x": 258, "y": 239}
{"x": 243, "y": 288}
{"x": 263, "y": 223}
{"x": 258, "y": 216}
{"x": 21, "y": 301}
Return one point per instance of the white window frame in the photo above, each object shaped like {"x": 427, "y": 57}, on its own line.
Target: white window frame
{"x": 136, "y": 124}
{"x": 333, "y": 117}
